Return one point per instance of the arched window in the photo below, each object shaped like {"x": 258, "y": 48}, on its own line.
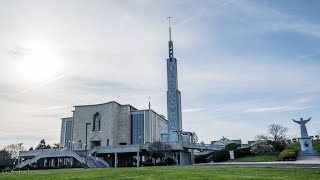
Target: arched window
{"x": 96, "y": 122}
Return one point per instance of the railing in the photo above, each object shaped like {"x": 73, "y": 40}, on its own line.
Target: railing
{"x": 119, "y": 148}
{"x": 201, "y": 146}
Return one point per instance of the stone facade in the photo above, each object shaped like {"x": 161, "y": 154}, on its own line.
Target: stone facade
{"x": 115, "y": 126}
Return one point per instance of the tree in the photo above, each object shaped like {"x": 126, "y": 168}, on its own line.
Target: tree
{"x": 43, "y": 145}
{"x": 262, "y": 137}
{"x": 13, "y": 150}
{"x": 261, "y": 147}
{"x": 5, "y": 159}
{"x": 159, "y": 150}
{"x": 277, "y": 132}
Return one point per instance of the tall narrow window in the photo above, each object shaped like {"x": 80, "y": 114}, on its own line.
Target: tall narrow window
{"x": 96, "y": 122}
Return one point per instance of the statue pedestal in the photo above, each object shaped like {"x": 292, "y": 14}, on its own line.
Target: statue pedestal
{"x": 306, "y": 144}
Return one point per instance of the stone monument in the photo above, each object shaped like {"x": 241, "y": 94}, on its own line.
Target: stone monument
{"x": 305, "y": 140}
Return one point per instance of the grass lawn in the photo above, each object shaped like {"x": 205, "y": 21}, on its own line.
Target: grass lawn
{"x": 258, "y": 158}
{"x": 188, "y": 172}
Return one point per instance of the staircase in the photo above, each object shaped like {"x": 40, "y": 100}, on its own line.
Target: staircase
{"x": 303, "y": 155}
{"x": 96, "y": 162}
{"x": 51, "y": 154}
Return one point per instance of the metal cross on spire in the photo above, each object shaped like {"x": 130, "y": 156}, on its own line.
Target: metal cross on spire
{"x": 170, "y": 41}
{"x": 169, "y": 19}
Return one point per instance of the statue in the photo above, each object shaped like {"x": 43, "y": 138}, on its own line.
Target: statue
{"x": 305, "y": 140}
{"x": 303, "y": 129}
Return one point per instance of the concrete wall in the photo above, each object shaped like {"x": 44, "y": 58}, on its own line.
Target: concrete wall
{"x": 115, "y": 124}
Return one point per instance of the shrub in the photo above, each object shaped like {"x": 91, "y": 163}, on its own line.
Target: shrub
{"x": 148, "y": 164}
{"x": 219, "y": 156}
{"x": 242, "y": 152}
{"x": 288, "y": 155}
{"x": 232, "y": 146}
{"x": 170, "y": 161}
{"x": 148, "y": 160}
{"x": 278, "y": 145}
{"x": 161, "y": 163}
{"x": 261, "y": 147}
{"x": 201, "y": 158}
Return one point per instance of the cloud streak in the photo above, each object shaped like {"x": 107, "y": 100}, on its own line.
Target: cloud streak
{"x": 275, "y": 109}
{"x": 191, "y": 110}
{"x": 41, "y": 85}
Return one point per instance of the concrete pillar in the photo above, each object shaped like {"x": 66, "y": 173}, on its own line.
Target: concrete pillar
{"x": 115, "y": 159}
{"x": 45, "y": 162}
{"x": 52, "y": 162}
{"x": 138, "y": 159}
{"x": 71, "y": 161}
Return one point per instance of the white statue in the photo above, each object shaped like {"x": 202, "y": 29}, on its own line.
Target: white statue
{"x": 303, "y": 129}
{"x": 305, "y": 140}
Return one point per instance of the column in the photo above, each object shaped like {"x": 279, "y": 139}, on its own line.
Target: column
{"x": 138, "y": 159}
{"x": 71, "y": 161}
{"x": 45, "y": 162}
{"x": 115, "y": 159}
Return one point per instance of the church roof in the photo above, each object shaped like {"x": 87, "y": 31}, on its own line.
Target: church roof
{"x": 106, "y": 103}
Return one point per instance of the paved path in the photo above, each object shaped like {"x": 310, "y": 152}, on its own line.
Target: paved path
{"x": 305, "y": 163}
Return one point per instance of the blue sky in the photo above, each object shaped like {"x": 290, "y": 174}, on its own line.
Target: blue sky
{"x": 242, "y": 64}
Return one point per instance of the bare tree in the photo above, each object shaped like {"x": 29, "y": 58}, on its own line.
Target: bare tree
{"x": 277, "y": 132}
{"x": 159, "y": 150}
{"x": 13, "y": 150}
{"x": 262, "y": 137}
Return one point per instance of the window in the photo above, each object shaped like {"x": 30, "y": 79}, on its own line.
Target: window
{"x": 137, "y": 128}
{"x": 96, "y": 122}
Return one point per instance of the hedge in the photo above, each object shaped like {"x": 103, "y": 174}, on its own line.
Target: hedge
{"x": 288, "y": 155}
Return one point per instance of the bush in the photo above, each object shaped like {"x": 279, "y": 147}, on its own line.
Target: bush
{"x": 219, "y": 156}
{"x": 232, "y": 146}
{"x": 243, "y": 152}
{"x": 161, "y": 163}
{"x": 278, "y": 145}
{"x": 202, "y": 158}
{"x": 170, "y": 161}
{"x": 288, "y": 155}
{"x": 148, "y": 164}
{"x": 261, "y": 147}
{"x": 148, "y": 160}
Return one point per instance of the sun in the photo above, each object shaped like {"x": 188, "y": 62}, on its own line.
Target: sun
{"x": 39, "y": 63}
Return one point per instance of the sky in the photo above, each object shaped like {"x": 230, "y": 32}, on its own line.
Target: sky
{"x": 242, "y": 65}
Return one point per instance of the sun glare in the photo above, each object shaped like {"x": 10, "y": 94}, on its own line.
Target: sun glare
{"x": 39, "y": 63}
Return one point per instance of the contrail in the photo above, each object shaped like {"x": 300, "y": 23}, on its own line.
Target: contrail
{"x": 40, "y": 85}
{"x": 222, "y": 5}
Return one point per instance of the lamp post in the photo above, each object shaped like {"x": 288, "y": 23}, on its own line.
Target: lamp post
{"x": 86, "y": 141}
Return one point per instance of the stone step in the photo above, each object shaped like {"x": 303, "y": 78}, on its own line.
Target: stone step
{"x": 309, "y": 153}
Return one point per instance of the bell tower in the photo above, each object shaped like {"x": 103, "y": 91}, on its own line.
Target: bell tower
{"x": 173, "y": 96}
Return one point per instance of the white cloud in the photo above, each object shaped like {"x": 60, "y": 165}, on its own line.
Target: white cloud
{"x": 275, "y": 109}
{"x": 191, "y": 110}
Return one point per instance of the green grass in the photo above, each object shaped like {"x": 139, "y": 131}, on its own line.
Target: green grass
{"x": 296, "y": 146}
{"x": 203, "y": 172}
{"x": 258, "y": 158}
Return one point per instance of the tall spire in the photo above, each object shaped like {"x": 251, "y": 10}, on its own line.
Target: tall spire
{"x": 170, "y": 41}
